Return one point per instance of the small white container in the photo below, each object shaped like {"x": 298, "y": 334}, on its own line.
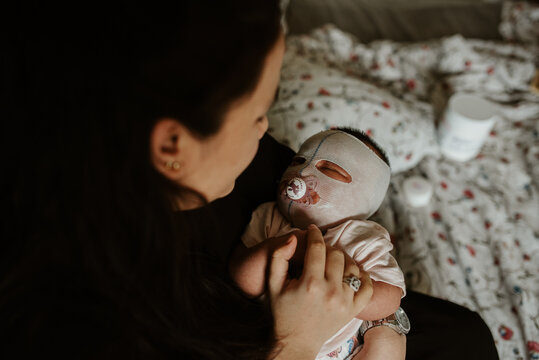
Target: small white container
{"x": 417, "y": 191}
{"x": 466, "y": 124}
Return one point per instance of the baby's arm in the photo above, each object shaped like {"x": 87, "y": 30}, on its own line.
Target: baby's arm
{"x": 248, "y": 268}
{"x": 382, "y": 343}
{"x": 385, "y": 301}
{"x": 373, "y": 256}
{"x": 369, "y": 245}
{"x": 247, "y": 264}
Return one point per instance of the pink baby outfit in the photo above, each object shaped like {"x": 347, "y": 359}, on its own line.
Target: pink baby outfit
{"x": 365, "y": 241}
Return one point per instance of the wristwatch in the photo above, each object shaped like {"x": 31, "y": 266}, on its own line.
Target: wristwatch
{"x": 398, "y": 321}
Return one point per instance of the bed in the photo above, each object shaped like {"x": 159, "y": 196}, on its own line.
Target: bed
{"x": 476, "y": 242}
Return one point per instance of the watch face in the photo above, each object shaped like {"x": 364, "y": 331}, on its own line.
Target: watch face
{"x": 403, "y": 320}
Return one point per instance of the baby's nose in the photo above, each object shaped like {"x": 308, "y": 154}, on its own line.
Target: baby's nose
{"x": 296, "y": 188}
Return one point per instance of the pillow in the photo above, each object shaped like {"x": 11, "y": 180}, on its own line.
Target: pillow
{"x": 318, "y": 93}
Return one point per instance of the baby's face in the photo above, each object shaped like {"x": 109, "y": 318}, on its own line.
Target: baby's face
{"x": 302, "y": 189}
{"x": 334, "y": 177}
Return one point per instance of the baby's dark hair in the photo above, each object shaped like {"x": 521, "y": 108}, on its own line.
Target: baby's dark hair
{"x": 367, "y": 140}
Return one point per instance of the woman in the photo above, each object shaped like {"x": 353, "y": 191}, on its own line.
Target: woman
{"x": 126, "y": 134}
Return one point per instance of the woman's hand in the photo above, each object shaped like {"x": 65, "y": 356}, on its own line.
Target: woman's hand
{"x": 309, "y": 310}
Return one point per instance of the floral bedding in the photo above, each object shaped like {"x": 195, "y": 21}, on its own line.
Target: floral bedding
{"x": 477, "y": 241}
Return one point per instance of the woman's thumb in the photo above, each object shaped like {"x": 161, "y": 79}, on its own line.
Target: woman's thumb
{"x": 279, "y": 265}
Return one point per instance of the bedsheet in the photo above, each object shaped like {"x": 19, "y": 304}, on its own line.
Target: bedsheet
{"x": 477, "y": 242}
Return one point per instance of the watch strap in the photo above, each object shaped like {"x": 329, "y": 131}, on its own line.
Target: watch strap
{"x": 390, "y": 321}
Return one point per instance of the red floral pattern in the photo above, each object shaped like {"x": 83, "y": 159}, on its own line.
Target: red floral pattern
{"x": 476, "y": 242}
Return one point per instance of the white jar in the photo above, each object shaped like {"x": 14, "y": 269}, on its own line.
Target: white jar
{"x": 466, "y": 124}
{"x": 417, "y": 191}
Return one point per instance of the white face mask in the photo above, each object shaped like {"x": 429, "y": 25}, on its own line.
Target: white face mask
{"x": 334, "y": 177}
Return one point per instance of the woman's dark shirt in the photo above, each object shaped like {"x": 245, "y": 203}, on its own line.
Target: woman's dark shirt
{"x": 221, "y": 223}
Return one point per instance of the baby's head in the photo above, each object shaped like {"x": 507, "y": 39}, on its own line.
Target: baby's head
{"x": 335, "y": 176}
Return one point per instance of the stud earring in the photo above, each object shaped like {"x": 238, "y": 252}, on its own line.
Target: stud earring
{"x": 173, "y": 165}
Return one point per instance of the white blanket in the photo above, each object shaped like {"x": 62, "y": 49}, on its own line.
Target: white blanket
{"x": 477, "y": 242}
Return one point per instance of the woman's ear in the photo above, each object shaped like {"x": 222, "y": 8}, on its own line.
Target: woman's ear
{"x": 168, "y": 139}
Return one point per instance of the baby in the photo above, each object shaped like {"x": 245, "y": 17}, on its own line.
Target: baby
{"x": 336, "y": 181}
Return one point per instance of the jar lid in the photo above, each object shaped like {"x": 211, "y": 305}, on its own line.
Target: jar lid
{"x": 417, "y": 191}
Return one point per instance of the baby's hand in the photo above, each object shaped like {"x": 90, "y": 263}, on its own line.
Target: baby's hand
{"x": 295, "y": 266}
{"x": 248, "y": 266}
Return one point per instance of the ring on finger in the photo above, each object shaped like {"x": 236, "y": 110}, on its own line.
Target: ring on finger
{"x": 353, "y": 282}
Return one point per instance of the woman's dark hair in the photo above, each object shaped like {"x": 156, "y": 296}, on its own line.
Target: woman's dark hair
{"x": 94, "y": 262}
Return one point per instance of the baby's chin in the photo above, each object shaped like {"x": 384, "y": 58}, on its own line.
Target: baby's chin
{"x": 302, "y": 224}
{"x": 298, "y": 219}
